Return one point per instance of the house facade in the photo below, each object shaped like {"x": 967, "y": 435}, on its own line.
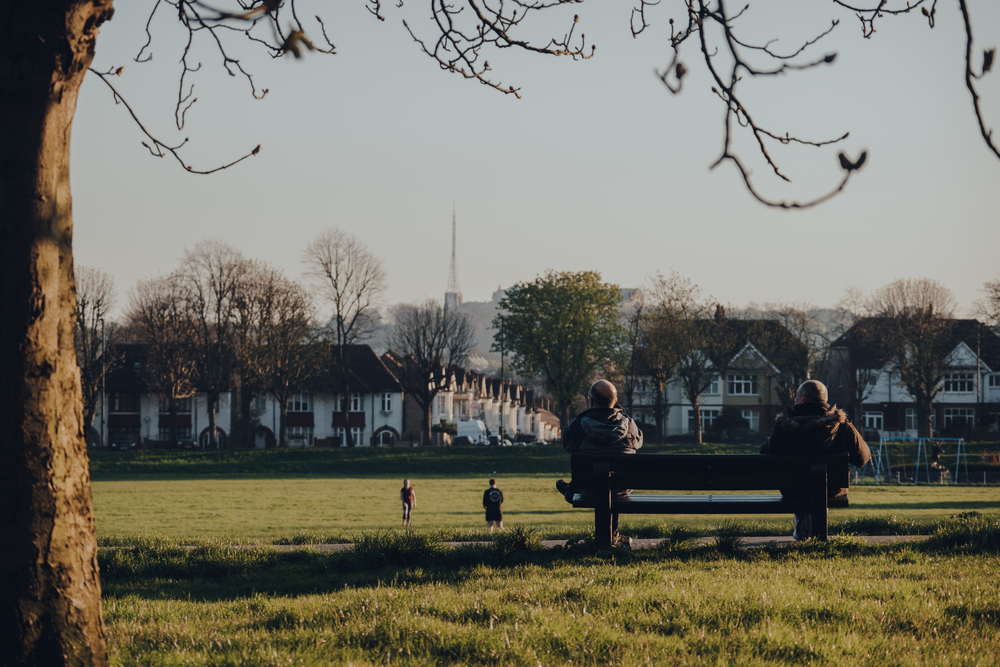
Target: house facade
{"x": 969, "y": 389}
{"x": 767, "y": 359}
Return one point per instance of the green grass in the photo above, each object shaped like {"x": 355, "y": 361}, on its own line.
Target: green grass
{"x": 406, "y": 601}
{"x": 332, "y": 509}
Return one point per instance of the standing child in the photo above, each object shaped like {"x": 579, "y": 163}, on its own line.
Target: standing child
{"x": 409, "y": 498}
{"x": 492, "y": 503}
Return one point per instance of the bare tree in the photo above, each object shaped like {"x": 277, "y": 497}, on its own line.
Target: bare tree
{"x": 914, "y": 318}
{"x": 352, "y": 281}
{"x": 97, "y": 352}
{"x": 427, "y": 340}
{"x": 629, "y": 361}
{"x": 272, "y": 319}
{"x": 291, "y": 356}
{"x": 158, "y": 318}
{"x": 210, "y": 275}
{"x": 988, "y": 307}
{"x": 799, "y": 321}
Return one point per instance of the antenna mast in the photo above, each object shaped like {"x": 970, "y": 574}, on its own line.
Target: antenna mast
{"x": 453, "y": 294}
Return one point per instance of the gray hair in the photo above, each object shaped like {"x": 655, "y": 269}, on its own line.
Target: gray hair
{"x": 813, "y": 391}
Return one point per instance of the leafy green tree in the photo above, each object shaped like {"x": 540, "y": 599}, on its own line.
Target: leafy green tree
{"x": 563, "y": 328}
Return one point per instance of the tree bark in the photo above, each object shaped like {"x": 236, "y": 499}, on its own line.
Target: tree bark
{"x": 658, "y": 410}
{"x": 50, "y": 595}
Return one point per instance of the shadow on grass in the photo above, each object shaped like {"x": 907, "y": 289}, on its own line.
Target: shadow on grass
{"x": 153, "y": 569}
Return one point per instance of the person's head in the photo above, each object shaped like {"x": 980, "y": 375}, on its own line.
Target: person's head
{"x": 603, "y": 394}
{"x": 811, "y": 391}
{"x": 406, "y": 483}
{"x": 493, "y": 482}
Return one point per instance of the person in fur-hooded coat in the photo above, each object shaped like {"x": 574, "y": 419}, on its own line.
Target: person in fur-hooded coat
{"x": 813, "y": 427}
{"x": 810, "y": 428}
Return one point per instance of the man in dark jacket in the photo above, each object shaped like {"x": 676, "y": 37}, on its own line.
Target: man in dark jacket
{"x": 813, "y": 428}
{"x": 601, "y": 428}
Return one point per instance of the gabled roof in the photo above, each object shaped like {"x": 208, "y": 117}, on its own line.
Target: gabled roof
{"x": 366, "y": 372}
{"x": 866, "y": 345}
{"x": 127, "y": 377}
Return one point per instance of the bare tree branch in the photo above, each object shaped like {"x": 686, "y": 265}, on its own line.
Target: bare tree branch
{"x": 159, "y": 148}
{"x": 969, "y": 76}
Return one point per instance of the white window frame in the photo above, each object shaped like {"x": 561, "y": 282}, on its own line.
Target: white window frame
{"x": 967, "y": 416}
{"x": 959, "y": 383}
{"x": 301, "y": 402}
{"x": 994, "y": 380}
{"x": 183, "y": 405}
{"x": 752, "y": 417}
{"x": 874, "y": 421}
{"x": 386, "y": 402}
{"x": 708, "y": 417}
{"x": 357, "y": 402}
{"x": 911, "y": 419}
{"x": 183, "y": 433}
{"x": 742, "y": 384}
{"x": 713, "y": 387}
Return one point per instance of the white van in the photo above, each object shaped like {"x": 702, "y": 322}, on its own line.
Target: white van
{"x": 474, "y": 430}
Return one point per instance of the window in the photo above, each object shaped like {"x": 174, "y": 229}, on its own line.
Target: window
{"x": 708, "y": 418}
{"x": 183, "y": 434}
{"x": 713, "y": 387}
{"x": 958, "y": 417}
{"x": 753, "y": 418}
{"x": 441, "y": 404}
{"x": 123, "y": 403}
{"x": 357, "y": 433}
{"x": 299, "y": 403}
{"x": 357, "y": 403}
{"x": 742, "y": 384}
{"x": 183, "y": 405}
{"x": 385, "y": 438}
{"x": 911, "y": 420}
{"x": 386, "y": 402}
{"x": 959, "y": 382}
{"x": 300, "y": 435}
{"x": 994, "y": 380}
{"x": 873, "y": 421}
{"x": 260, "y": 404}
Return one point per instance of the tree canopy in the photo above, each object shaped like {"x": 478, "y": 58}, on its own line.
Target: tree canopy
{"x": 563, "y": 328}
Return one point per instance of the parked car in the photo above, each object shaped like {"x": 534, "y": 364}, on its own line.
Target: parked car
{"x": 462, "y": 441}
{"x": 124, "y": 441}
{"x": 495, "y": 441}
{"x": 743, "y": 435}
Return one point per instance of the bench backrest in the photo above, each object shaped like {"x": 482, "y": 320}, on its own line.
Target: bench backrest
{"x": 704, "y": 472}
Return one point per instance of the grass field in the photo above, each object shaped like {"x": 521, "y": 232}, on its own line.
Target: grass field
{"x": 334, "y": 509}
{"x": 400, "y": 598}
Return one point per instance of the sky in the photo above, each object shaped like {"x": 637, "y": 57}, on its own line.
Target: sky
{"x": 597, "y": 167}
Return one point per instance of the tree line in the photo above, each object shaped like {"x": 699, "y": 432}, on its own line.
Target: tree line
{"x": 224, "y": 322}
{"x": 568, "y": 328}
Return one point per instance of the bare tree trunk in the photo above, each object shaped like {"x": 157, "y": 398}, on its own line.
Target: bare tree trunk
{"x": 658, "y": 410}
{"x": 212, "y": 405}
{"x": 50, "y": 594}
{"x": 696, "y": 406}
{"x": 428, "y": 436}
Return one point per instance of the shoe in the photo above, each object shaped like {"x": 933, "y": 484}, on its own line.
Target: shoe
{"x": 565, "y": 489}
{"x": 621, "y": 541}
{"x": 803, "y": 524}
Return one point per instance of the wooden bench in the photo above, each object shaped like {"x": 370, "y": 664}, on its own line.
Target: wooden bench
{"x": 809, "y": 479}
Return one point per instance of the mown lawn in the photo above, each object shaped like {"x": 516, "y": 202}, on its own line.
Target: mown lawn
{"x": 408, "y": 603}
{"x": 400, "y": 598}
{"x": 332, "y": 509}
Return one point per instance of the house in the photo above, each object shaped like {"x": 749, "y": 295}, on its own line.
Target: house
{"x": 969, "y": 389}
{"x": 469, "y": 394}
{"x": 765, "y": 359}
{"x": 314, "y": 416}
{"x": 133, "y": 413}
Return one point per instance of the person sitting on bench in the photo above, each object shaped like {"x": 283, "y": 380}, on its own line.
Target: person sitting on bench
{"x": 813, "y": 428}
{"x": 602, "y": 428}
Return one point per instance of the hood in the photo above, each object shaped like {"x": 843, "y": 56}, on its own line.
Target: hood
{"x": 810, "y": 429}
{"x": 604, "y": 426}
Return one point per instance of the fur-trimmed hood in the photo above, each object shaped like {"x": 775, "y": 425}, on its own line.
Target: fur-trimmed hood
{"x": 792, "y": 422}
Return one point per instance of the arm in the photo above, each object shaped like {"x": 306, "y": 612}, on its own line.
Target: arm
{"x": 858, "y": 451}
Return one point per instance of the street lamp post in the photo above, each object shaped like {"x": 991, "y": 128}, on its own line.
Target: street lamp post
{"x": 104, "y": 365}
{"x": 501, "y": 380}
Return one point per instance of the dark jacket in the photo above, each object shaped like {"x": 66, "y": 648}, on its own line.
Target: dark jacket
{"x": 816, "y": 429}
{"x": 602, "y": 429}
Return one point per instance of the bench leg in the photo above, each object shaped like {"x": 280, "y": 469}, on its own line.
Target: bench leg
{"x": 818, "y": 503}
{"x": 602, "y": 504}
